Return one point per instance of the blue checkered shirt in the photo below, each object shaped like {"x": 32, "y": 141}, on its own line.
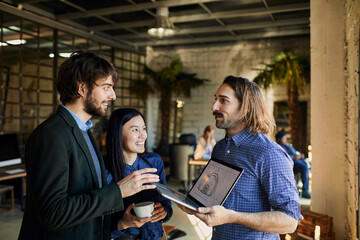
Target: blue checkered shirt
{"x": 267, "y": 183}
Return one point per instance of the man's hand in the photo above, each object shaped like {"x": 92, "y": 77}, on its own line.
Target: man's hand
{"x": 134, "y": 182}
{"x": 270, "y": 221}
{"x": 159, "y": 213}
{"x": 130, "y": 220}
{"x": 213, "y": 216}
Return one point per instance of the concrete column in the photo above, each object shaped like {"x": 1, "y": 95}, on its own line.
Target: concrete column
{"x": 333, "y": 98}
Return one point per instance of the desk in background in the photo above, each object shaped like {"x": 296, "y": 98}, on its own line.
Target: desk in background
{"x": 193, "y": 163}
{"x": 12, "y": 172}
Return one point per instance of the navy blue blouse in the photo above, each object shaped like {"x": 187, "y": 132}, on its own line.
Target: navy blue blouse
{"x": 149, "y": 231}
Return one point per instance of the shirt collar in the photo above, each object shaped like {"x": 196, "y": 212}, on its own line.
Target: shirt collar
{"x": 240, "y": 137}
{"x": 83, "y": 126}
{"x": 135, "y": 165}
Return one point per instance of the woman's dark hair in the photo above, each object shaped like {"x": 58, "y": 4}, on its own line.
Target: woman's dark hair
{"x": 82, "y": 67}
{"x": 280, "y": 135}
{"x": 115, "y": 161}
{"x": 253, "y": 110}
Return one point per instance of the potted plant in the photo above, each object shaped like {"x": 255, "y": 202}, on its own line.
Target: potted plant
{"x": 291, "y": 69}
{"x": 167, "y": 81}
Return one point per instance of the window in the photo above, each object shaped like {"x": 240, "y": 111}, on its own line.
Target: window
{"x": 30, "y": 55}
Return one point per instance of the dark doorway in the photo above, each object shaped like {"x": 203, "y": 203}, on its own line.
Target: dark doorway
{"x": 282, "y": 122}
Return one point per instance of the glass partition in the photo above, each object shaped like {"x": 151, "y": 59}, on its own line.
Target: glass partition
{"x": 30, "y": 55}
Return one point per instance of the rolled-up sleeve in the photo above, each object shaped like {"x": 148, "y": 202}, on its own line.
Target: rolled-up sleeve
{"x": 277, "y": 179}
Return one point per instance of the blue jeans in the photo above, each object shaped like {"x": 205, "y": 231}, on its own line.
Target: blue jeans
{"x": 300, "y": 166}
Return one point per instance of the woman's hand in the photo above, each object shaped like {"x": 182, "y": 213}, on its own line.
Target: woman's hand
{"x": 207, "y": 138}
{"x": 159, "y": 213}
{"x": 130, "y": 220}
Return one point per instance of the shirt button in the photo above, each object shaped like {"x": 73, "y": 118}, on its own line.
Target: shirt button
{"x": 228, "y": 151}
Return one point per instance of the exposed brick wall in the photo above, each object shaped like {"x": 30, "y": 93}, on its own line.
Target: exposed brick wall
{"x": 352, "y": 113}
{"x": 217, "y": 62}
{"x": 335, "y": 29}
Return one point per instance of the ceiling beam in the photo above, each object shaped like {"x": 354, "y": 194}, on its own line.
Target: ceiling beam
{"x": 133, "y": 24}
{"x": 51, "y": 15}
{"x": 147, "y": 11}
{"x": 206, "y": 16}
{"x": 270, "y": 14}
{"x": 242, "y": 13}
{"x": 64, "y": 27}
{"x": 84, "y": 10}
{"x": 184, "y": 36}
{"x": 218, "y": 20}
{"x": 130, "y": 8}
{"x": 223, "y": 39}
{"x": 27, "y": 1}
{"x": 245, "y": 26}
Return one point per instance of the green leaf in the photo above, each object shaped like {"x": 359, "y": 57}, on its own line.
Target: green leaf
{"x": 289, "y": 68}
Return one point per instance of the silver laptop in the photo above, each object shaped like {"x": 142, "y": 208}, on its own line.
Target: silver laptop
{"x": 211, "y": 188}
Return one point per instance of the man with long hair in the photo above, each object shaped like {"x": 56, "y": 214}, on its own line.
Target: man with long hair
{"x": 264, "y": 202}
{"x": 67, "y": 196}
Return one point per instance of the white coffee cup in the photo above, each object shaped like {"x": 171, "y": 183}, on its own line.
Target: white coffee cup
{"x": 144, "y": 209}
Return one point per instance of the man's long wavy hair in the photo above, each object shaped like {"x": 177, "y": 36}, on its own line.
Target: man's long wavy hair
{"x": 253, "y": 110}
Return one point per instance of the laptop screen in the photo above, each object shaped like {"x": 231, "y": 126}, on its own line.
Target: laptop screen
{"x": 9, "y": 150}
{"x": 215, "y": 183}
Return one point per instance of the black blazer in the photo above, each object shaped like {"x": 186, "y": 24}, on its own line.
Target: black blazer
{"x": 63, "y": 199}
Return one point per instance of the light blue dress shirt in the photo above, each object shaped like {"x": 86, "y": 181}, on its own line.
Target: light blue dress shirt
{"x": 84, "y": 127}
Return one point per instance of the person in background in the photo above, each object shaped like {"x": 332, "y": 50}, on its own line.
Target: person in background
{"x": 265, "y": 201}
{"x": 205, "y": 144}
{"x": 66, "y": 192}
{"x": 125, "y": 146}
{"x": 300, "y": 165}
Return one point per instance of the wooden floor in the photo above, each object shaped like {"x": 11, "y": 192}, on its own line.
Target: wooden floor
{"x": 10, "y": 221}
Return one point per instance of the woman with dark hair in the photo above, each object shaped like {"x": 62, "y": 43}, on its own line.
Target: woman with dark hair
{"x": 125, "y": 147}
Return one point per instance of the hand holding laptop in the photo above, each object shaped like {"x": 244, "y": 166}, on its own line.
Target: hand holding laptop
{"x": 211, "y": 188}
{"x": 213, "y": 216}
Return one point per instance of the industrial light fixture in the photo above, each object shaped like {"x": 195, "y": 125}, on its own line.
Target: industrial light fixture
{"x": 13, "y": 42}
{"x": 64, "y": 55}
{"x": 162, "y": 25}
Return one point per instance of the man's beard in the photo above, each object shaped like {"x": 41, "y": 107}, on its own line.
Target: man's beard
{"x": 226, "y": 123}
{"x": 90, "y": 107}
